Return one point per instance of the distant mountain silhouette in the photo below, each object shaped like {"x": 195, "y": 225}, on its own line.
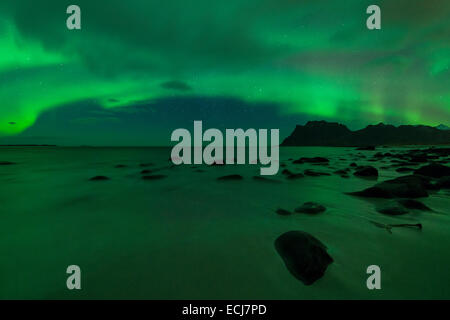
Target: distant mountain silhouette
{"x": 322, "y": 133}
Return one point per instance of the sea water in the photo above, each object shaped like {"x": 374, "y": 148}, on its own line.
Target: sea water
{"x": 190, "y": 236}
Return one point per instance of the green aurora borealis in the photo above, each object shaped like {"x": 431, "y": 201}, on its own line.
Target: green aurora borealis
{"x": 307, "y": 59}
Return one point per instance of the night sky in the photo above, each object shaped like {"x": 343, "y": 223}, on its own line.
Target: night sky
{"x": 139, "y": 69}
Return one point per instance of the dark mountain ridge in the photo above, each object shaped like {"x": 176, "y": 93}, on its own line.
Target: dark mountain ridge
{"x": 323, "y": 133}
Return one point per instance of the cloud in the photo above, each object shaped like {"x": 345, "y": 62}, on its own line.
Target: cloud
{"x": 176, "y": 85}
{"x": 305, "y": 57}
{"x": 151, "y": 122}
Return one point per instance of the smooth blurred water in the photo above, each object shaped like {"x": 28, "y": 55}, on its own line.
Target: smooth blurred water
{"x": 189, "y": 236}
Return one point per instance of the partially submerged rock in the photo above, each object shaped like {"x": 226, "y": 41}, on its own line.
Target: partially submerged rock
{"x": 434, "y": 170}
{"x": 403, "y": 187}
{"x": 99, "y": 178}
{"x": 290, "y": 175}
{"x": 413, "y": 204}
{"x": 6, "y": 163}
{"x": 154, "y": 177}
{"x": 313, "y": 173}
{"x": 283, "y": 212}
{"x": 366, "y": 171}
{"x": 443, "y": 183}
{"x": 392, "y": 209}
{"x": 341, "y": 171}
{"x": 321, "y": 160}
{"x": 231, "y": 177}
{"x": 148, "y": 164}
{"x": 305, "y": 257}
{"x": 389, "y": 227}
{"x": 310, "y": 208}
{"x": 264, "y": 179}
{"x": 294, "y": 176}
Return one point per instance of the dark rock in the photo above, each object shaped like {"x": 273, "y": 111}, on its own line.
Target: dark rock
{"x": 99, "y": 178}
{"x": 264, "y": 179}
{"x": 404, "y": 169}
{"x": 305, "y": 257}
{"x": 413, "y": 204}
{"x": 389, "y": 227}
{"x": 311, "y": 160}
{"x": 144, "y": 165}
{"x": 311, "y": 208}
{"x": 294, "y": 176}
{"x": 290, "y": 175}
{"x": 443, "y": 183}
{"x": 231, "y": 177}
{"x": 378, "y": 155}
{"x": 313, "y": 173}
{"x": 283, "y": 212}
{"x": 342, "y": 172}
{"x": 408, "y": 225}
{"x": 154, "y": 177}
{"x": 442, "y": 152}
{"x": 6, "y": 163}
{"x": 392, "y": 209}
{"x": 367, "y": 171}
{"x": 120, "y": 166}
{"x": 434, "y": 170}
{"x": 419, "y": 158}
{"x": 353, "y": 164}
{"x": 146, "y": 171}
{"x": 402, "y": 187}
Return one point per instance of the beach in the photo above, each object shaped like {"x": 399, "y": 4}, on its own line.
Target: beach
{"x": 188, "y": 235}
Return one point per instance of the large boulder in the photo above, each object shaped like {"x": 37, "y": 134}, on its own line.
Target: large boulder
{"x": 434, "y": 170}
{"x": 403, "y": 187}
{"x": 413, "y": 204}
{"x": 305, "y": 256}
